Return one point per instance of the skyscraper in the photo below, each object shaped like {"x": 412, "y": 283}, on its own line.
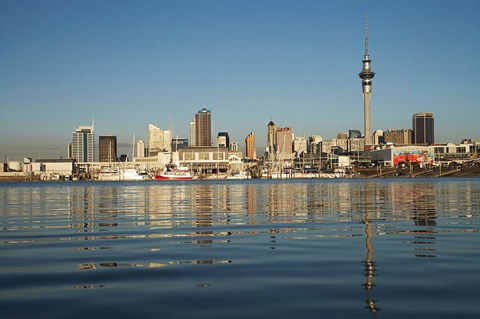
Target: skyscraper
{"x": 158, "y": 140}
{"x": 366, "y": 75}
{"x": 250, "y": 146}
{"x": 284, "y": 143}
{"x": 423, "y": 128}
{"x": 223, "y": 140}
{"x": 398, "y": 137}
{"x": 299, "y": 145}
{"x": 203, "y": 128}
{"x": 83, "y": 144}
{"x": 191, "y": 140}
{"x": 271, "y": 140}
{"x": 107, "y": 148}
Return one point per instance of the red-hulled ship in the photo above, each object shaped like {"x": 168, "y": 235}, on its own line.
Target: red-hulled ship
{"x": 175, "y": 174}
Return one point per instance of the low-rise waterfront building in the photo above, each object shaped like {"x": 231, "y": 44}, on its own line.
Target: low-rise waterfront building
{"x": 459, "y": 153}
{"x": 403, "y": 155}
{"x": 205, "y": 160}
{"x": 54, "y": 168}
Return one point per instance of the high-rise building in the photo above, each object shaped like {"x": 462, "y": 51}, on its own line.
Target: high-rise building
{"x": 378, "y": 137}
{"x": 191, "y": 141}
{"x": 203, "y": 128}
{"x": 250, "y": 146}
{"x": 83, "y": 144}
{"x": 299, "y": 145}
{"x": 158, "y": 140}
{"x": 423, "y": 128}
{"x": 356, "y": 144}
{"x": 367, "y": 76}
{"x": 398, "y": 137}
{"x": 223, "y": 140}
{"x": 315, "y": 144}
{"x": 107, "y": 148}
{"x": 271, "y": 140}
{"x": 284, "y": 142}
{"x": 140, "y": 149}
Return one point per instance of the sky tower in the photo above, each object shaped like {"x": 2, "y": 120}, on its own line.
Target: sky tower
{"x": 367, "y": 76}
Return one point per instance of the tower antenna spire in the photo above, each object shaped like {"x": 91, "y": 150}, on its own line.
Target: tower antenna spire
{"x": 366, "y": 34}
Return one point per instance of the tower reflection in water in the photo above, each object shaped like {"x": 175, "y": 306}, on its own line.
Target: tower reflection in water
{"x": 369, "y": 263}
{"x": 370, "y": 269}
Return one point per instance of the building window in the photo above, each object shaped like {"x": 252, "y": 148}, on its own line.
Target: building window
{"x": 218, "y": 156}
{"x": 204, "y": 156}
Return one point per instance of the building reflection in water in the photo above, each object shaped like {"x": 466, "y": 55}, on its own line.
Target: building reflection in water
{"x": 417, "y": 202}
{"x": 101, "y": 207}
{"x": 425, "y": 215}
{"x": 369, "y": 263}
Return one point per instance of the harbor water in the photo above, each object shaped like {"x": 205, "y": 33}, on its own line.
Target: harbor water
{"x": 343, "y": 248}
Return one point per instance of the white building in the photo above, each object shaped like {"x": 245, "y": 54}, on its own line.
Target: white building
{"x": 140, "y": 149}
{"x": 158, "y": 140}
{"x": 205, "y": 160}
{"x": 156, "y": 162}
{"x": 48, "y": 168}
{"x": 315, "y": 144}
{"x": 335, "y": 142}
{"x": 299, "y": 145}
{"x": 83, "y": 145}
{"x": 191, "y": 138}
{"x": 234, "y": 147}
{"x": 378, "y": 137}
{"x": 402, "y": 155}
{"x": 356, "y": 144}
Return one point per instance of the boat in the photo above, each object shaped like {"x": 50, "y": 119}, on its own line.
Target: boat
{"x": 238, "y": 175}
{"x": 108, "y": 174}
{"x": 131, "y": 174}
{"x": 339, "y": 172}
{"x": 126, "y": 174}
{"x": 174, "y": 173}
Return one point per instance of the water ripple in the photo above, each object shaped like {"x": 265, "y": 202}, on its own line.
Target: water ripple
{"x": 313, "y": 248}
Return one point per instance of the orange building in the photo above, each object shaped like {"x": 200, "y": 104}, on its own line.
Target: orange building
{"x": 250, "y": 146}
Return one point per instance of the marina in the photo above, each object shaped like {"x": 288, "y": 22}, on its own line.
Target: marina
{"x": 334, "y": 248}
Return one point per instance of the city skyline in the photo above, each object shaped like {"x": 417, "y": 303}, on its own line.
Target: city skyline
{"x": 293, "y": 62}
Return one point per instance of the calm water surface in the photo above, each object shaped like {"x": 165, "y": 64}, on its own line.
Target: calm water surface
{"x": 390, "y": 248}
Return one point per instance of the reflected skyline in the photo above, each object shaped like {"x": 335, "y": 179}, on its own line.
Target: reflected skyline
{"x": 319, "y": 243}
{"x": 167, "y": 205}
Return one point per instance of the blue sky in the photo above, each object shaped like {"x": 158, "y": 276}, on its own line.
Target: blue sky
{"x": 130, "y": 63}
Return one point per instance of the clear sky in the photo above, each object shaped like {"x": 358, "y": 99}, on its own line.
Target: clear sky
{"x": 130, "y": 63}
